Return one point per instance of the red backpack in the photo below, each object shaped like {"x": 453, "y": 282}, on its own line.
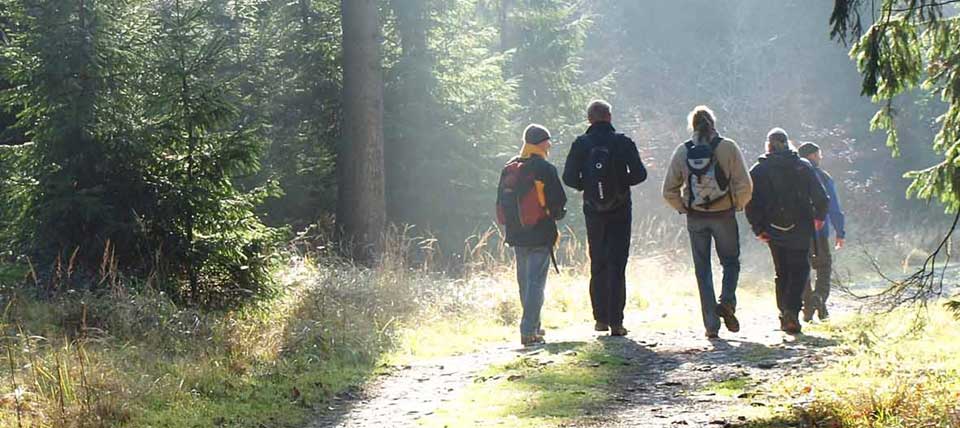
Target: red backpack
{"x": 517, "y": 201}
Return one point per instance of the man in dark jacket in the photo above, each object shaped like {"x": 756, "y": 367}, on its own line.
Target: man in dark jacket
{"x": 533, "y": 243}
{"x": 815, "y": 298}
{"x": 787, "y": 206}
{"x": 603, "y": 164}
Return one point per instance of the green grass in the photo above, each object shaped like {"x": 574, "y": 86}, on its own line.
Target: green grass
{"x": 129, "y": 358}
{"x": 887, "y": 374}
{"x": 452, "y": 336}
{"x": 215, "y": 375}
{"x": 549, "y": 388}
{"x": 731, "y": 387}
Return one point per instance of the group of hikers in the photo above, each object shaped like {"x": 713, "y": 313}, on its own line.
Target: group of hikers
{"x": 787, "y": 197}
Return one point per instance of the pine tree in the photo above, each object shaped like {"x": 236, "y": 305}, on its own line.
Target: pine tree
{"x": 203, "y": 223}
{"x": 69, "y": 66}
{"x": 912, "y": 44}
{"x": 550, "y": 36}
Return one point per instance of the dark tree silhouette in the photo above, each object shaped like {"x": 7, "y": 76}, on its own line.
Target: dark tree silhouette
{"x": 909, "y": 44}
{"x": 361, "y": 207}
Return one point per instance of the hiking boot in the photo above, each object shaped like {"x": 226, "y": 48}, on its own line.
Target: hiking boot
{"x": 822, "y": 312}
{"x": 532, "y": 340}
{"x": 601, "y": 326}
{"x": 790, "y": 323}
{"x": 618, "y": 330}
{"x": 712, "y": 335}
{"x": 808, "y": 309}
{"x": 726, "y": 312}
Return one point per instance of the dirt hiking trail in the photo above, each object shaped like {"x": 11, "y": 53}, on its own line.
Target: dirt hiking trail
{"x": 663, "y": 383}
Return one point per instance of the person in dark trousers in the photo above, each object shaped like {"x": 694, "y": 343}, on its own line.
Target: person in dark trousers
{"x": 708, "y": 181}
{"x": 603, "y": 164}
{"x": 530, "y": 200}
{"x": 787, "y": 206}
{"x": 815, "y": 298}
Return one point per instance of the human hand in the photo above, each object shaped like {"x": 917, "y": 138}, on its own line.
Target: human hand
{"x": 818, "y": 224}
{"x": 840, "y": 243}
{"x": 764, "y": 237}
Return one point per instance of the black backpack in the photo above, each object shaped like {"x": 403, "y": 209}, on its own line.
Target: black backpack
{"x": 707, "y": 182}
{"x": 603, "y": 188}
{"x": 791, "y": 200}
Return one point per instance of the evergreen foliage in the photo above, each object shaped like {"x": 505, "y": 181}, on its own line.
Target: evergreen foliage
{"x": 175, "y": 131}
{"x": 450, "y": 117}
{"x": 203, "y": 224}
{"x": 910, "y": 45}
{"x": 71, "y": 75}
{"x": 136, "y": 138}
{"x": 549, "y": 40}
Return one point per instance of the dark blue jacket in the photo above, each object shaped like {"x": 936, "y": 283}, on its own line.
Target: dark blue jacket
{"x": 796, "y": 175}
{"x": 621, "y": 145}
{"x": 834, "y": 213}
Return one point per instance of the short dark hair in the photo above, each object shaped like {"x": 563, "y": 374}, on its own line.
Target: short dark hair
{"x": 807, "y": 148}
{"x": 599, "y": 110}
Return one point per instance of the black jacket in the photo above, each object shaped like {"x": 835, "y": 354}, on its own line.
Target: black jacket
{"x": 766, "y": 198}
{"x": 545, "y": 232}
{"x": 621, "y": 145}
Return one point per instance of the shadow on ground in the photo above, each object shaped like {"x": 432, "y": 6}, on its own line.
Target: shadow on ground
{"x": 673, "y": 384}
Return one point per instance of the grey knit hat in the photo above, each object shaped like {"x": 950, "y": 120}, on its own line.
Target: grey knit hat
{"x": 807, "y": 149}
{"x": 535, "y": 134}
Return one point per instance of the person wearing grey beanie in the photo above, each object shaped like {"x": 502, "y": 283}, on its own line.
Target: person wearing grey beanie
{"x": 535, "y": 134}
{"x": 530, "y": 201}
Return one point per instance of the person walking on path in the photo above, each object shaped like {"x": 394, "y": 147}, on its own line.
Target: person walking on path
{"x": 815, "y": 298}
{"x": 530, "y": 200}
{"x": 707, "y": 180}
{"x": 603, "y": 164}
{"x": 788, "y": 205}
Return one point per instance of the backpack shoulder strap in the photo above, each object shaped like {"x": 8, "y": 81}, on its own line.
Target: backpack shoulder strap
{"x": 722, "y": 178}
{"x": 716, "y": 142}
{"x": 689, "y": 144}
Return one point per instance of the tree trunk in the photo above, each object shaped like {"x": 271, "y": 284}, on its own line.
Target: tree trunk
{"x": 361, "y": 208}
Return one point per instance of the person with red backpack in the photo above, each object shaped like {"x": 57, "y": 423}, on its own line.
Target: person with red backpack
{"x": 603, "y": 164}
{"x": 789, "y": 205}
{"x": 530, "y": 200}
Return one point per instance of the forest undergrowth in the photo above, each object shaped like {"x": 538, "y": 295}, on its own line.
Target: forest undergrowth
{"x": 121, "y": 353}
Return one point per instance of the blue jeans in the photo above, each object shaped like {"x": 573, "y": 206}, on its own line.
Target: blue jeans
{"x": 532, "y": 266}
{"x": 723, "y": 230}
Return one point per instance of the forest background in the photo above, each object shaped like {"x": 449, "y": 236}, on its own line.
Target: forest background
{"x": 183, "y": 182}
